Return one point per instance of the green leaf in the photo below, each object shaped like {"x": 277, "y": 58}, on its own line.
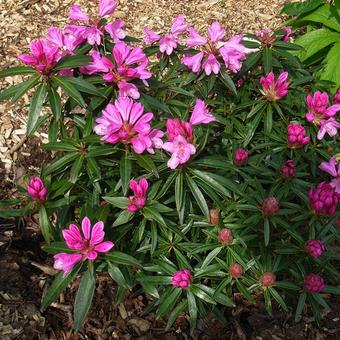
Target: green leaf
{"x": 154, "y": 103}
{"x": 332, "y": 290}
{"x": 253, "y": 126}
{"x": 297, "y": 8}
{"x": 125, "y": 172}
{"x": 84, "y": 297}
{"x": 300, "y": 305}
{"x": 179, "y": 193}
{"x": 69, "y": 89}
{"x": 121, "y": 258}
{"x": 17, "y": 70}
{"x": 228, "y": 82}
{"x": 192, "y": 310}
{"x": 61, "y": 162}
{"x": 58, "y": 285}
{"x": 332, "y": 69}
{"x": 278, "y": 298}
{"x": 124, "y": 217}
{"x": 201, "y": 294}
{"x": 146, "y": 162}
{"x": 55, "y": 102}
{"x": 117, "y": 275}
{"x": 45, "y": 224}
{"x": 72, "y": 62}
{"x": 84, "y": 86}
{"x": 267, "y": 59}
{"x": 266, "y": 231}
{"x": 119, "y": 202}
{"x": 153, "y": 215}
{"x": 35, "y": 108}
{"x": 268, "y": 120}
{"x": 76, "y": 168}
{"x": 244, "y": 291}
{"x": 56, "y": 247}
{"x": 196, "y": 192}
{"x": 210, "y": 257}
{"x": 175, "y": 313}
{"x": 169, "y": 302}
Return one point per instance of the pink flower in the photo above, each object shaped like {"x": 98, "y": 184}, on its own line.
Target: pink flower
{"x": 178, "y": 26}
{"x": 87, "y": 245}
{"x": 288, "y": 170}
{"x": 266, "y": 37}
{"x": 315, "y": 248}
{"x": 274, "y": 90}
{"x": 36, "y": 189}
{"x": 330, "y": 126}
{"x": 313, "y": 283}
{"x": 44, "y": 56}
{"x": 332, "y": 167}
{"x": 138, "y": 200}
{"x": 115, "y": 30}
{"x": 337, "y": 96}
{"x": 236, "y": 270}
{"x": 225, "y": 236}
{"x": 181, "y": 151}
{"x": 106, "y": 7}
{"x": 150, "y": 36}
{"x": 267, "y": 279}
{"x": 240, "y": 157}
{"x": 270, "y": 206}
{"x": 288, "y": 32}
{"x": 176, "y": 128}
{"x": 317, "y": 108}
{"x": 129, "y": 64}
{"x": 125, "y": 122}
{"x": 201, "y": 114}
{"x": 213, "y": 49}
{"x": 323, "y": 200}
{"x": 156, "y": 138}
{"x": 77, "y": 14}
{"x": 167, "y": 44}
{"x": 296, "y": 136}
{"x": 182, "y": 278}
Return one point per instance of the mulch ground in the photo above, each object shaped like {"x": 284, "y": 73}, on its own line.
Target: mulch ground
{"x": 26, "y": 272}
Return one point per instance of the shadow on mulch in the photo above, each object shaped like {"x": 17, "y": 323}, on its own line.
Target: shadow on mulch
{"x": 26, "y": 272}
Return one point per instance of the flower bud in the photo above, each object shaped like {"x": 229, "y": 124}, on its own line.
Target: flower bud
{"x": 225, "y": 236}
{"x": 36, "y": 189}
{"x": 315, "y": 248}
{"x": 235, "y": 270}
{"x": 214, "y": 217}
{"x": 182, "y": 278}
{"x": 288, "y": 170}
{"x": 296, "y": 136}
{"x": 313, "y": 283}
{"x": 240, "y": 157}
{"x": 267, "y": 279}
{"x": 270, "y": 206}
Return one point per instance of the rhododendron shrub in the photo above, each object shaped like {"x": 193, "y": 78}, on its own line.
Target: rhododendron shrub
{"x": 197, "y": 166}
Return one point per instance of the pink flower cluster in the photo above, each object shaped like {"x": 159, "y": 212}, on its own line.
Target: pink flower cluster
{"x": 180, "y": 135}
{"x": 268, "y": 38}
{"x": 323, "y": 115}
{"x": 288, "y": 170}
{"x": 236, "y": 270}
{"x": 274, "y": 90}
{"x": 313, "y": 283}
{"x": 225, "y": 236}
{"x": 315, "y": 248}
{"x": 94, "y": 31}
{"x": 323, "y": 200}
{"x": 138, "y": 200}
{"x": 87, "y": 245}
{"x": 129, "y": 64}
{"x": 36, "y": 189}
{"x": 213, "y": 49}
{"x": 268, "y": 279}
{"x": 240, "y": 157}
{"x": 296, "y": 136}
{"x": 270, "y": 206}
{"x": 182, "y": 278}
{"x": 332, "y": 167}
{"x": 125, "y": 122}
{"x": 169, "y": 41}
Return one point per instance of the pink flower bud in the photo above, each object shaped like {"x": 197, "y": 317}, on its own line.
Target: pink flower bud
{"x": 225, "y": 236}
{"x": 181, "y": 278}
{"x": 337, "y": 96}
{"x": 313, "y": 283}
{"x": 214, "y": 216}
{"x": 315, "y": 248}
{"x": 235, "y": 270}
{"x": 270, "y": 206}
{"x": 288, "y": 170}
{"x": 296, "y": 136}
{"x": 324, "y": 199}
{"x": 36, "y": 189}
{"x": 240, "y": 157}
{"x": 267, "y": 279}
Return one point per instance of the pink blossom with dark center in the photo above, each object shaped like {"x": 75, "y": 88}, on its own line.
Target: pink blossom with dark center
{"x": 270, "y": 206}
{"x": 36, "y": 189}
{"x": 225, "y": 236}
{"x": 274, "y": 90}
{"x": 315, "y": 248}
{"x": 323, "y": 200}
{"x": 332, "y": 167}
{"x": 182, "y": 278}
{"x": 214, "y": 50}
{"x": 296, "y": 136}
{"x": 129, "y": 64}
{"x": 138, "y": 200}
{"x": 240, "y": 157}
{"x": 86, "y": 244}
{"x": 288, "y": 170}
{"x": 125, "y": 122}
{"x": 236, "y": 270}
{"x": 169, "y": 41}
{"x": 267, "y": 279}
{"x": 313, "y": 283}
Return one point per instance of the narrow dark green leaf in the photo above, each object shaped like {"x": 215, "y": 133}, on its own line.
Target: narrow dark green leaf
{"x": 267, "y": 59}
{"x": 122, "y": 258}
{"x": 117, "y": 275}
{"x": 17, "y": 70}
{"x": 84, "y": 86}
{"x": 153, "y": 215}
{"x": 76, "y": 168}
{"x": 300, "y": 305}
{"x": 192, "y": 310}
{"x": 69, "y": 88}
{"x": 119, "y": 202}
{"x": 168, "y": 304}
{"x": 175, "y": 313}
{"x": 72, "y": 62}
{"x": 266, "y": 231}
{"x": 55, "y": 102}
{"x": 228, "y": 82}
{"x": 196, "y": 192}
{"x": 45, "y": 224}
{"x": 35, "y": 107}
{"x": 125, "y": 172}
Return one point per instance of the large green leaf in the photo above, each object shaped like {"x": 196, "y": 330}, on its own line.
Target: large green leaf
{"x": 35, "y": 108}
{"x": 332, "y": 68}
